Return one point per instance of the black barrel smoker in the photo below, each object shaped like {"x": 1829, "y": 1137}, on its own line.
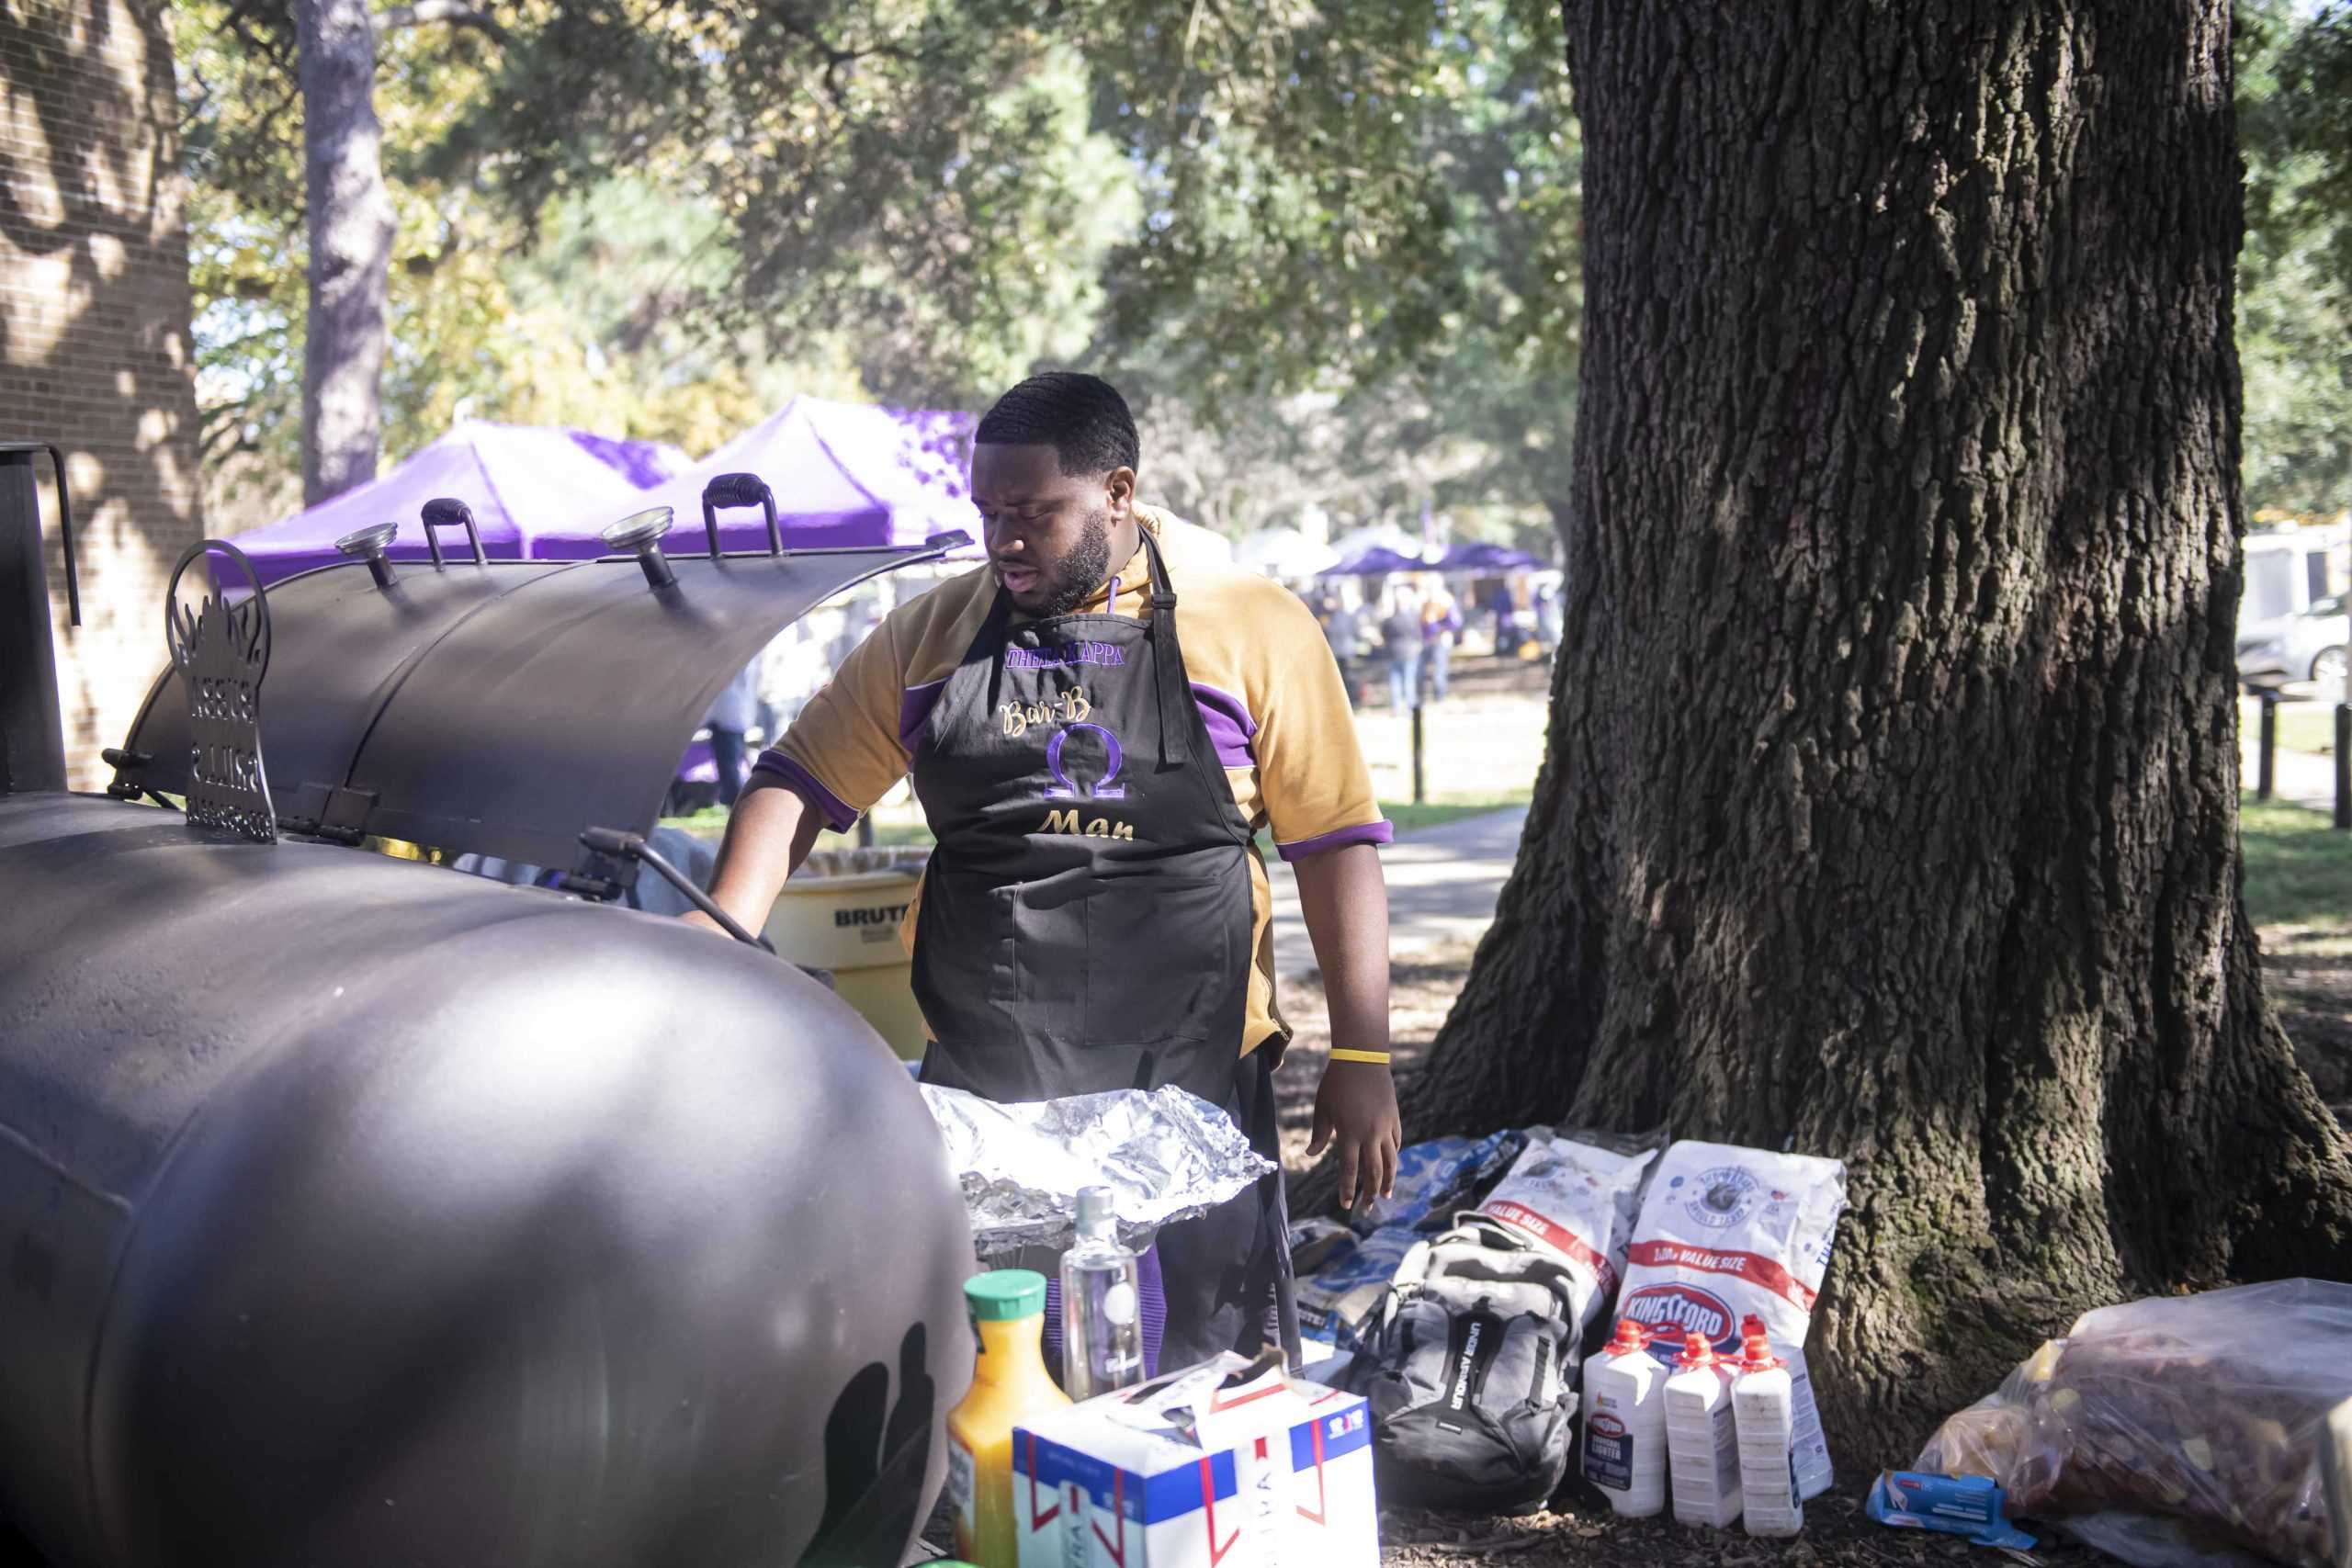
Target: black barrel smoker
{"x": 359, "y": 1212}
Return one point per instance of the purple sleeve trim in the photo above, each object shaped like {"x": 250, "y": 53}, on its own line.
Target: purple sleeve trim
{"x": 1233, "y": 707}
{"x": 1339, "y": 839}
{"x": 914, "y": 711}
{"x": 1230, "y": 728}
{"x": 838, "y": 815}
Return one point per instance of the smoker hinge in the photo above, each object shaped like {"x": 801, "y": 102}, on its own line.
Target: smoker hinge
{"x": 344, "y": 819}
{"x": 125, "y": 763}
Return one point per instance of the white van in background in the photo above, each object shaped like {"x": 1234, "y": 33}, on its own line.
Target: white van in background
{"x": 2291, "y": 620}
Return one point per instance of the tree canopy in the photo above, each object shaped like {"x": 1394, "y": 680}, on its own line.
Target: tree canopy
{"x": 660, "y": 217}
{"x": 2295, "y": 273}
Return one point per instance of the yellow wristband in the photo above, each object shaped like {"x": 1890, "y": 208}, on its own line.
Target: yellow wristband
{"x": 1376, "y": 1058}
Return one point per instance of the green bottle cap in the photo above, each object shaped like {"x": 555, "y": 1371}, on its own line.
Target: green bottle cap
{"x": 1003, "y": 1294}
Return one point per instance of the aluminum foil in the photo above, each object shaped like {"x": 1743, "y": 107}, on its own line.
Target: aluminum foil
{"x": 1166, "y": 1154}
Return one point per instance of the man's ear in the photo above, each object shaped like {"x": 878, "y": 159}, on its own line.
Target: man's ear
{"x": 1119, "y": 492}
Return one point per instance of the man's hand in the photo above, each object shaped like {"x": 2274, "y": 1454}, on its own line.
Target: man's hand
{"x": 701, "y": 921}
{"x": 1356, "y": 1105}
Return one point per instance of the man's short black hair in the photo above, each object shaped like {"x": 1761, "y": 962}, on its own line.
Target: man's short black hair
{"x": 1081, "y": 417}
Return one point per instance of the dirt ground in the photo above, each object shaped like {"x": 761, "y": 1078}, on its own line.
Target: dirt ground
{"x": 2307, "y": 972}
{"x": 1838, "y": 1534}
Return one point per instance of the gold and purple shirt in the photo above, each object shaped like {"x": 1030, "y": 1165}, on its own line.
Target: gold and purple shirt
{"x": 1270, "y": 697}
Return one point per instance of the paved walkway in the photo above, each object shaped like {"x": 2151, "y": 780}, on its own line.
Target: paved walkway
{"x": 2302, "y": 778}
{"x": 1443, "y": 884}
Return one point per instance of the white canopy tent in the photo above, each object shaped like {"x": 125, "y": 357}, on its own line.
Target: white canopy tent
{"x": 1284, "y": 553}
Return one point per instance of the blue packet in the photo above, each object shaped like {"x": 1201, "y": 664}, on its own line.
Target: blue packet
{"x": 1970, "y": 1505}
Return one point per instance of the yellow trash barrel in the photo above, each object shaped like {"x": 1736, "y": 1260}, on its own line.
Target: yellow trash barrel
{"x": 840, "y": 912}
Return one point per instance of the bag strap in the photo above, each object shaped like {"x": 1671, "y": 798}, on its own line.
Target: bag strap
{"x": 1412, "y": 1272}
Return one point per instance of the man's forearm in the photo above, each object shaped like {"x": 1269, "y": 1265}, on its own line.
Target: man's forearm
{"x": 768, "y": 835}
{"x": 1346, "y": 906}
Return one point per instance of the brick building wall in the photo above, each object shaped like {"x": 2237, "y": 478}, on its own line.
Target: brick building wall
{"x": 95, "y": 351}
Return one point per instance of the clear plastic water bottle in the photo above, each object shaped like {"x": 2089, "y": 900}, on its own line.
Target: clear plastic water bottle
{"x": 1101, "y": 1308}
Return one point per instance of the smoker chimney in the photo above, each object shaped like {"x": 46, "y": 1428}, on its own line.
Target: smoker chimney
{"x": 32, "y": 734}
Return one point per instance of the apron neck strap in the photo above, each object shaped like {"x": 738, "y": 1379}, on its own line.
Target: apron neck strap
{"x": 1163, "y": 592}
{"x": 995, "y": 632}
{"x": 1168, "y": 659}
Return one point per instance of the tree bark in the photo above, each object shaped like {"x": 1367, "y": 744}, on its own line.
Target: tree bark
{"x": 351, "y": 229}
{"x": 1563, "y": 510}
{"x": 1889, "y": 810}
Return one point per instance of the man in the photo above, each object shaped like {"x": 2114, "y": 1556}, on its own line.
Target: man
{"x": 1400, "y": 644}
{"x": 1440, "y": 621}
{"x": 1343, "y": 629}
{"x": 1094, "y": 739}
{"x": 731, "y": 714}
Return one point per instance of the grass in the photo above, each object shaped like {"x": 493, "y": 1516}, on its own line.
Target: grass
{"x": 896, "y": 832}
{"x": 1407, "y": 818}
{"x": 2302, "y": 727}
{"x": 2298, "y": 867}
{"x": 2305, "y": 726}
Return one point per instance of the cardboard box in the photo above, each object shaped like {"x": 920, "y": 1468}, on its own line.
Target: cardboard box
{"x": 1229, "y": 1464}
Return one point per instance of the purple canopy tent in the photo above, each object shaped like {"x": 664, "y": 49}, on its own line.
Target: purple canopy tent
{"x": 523, "y": 483}
{"x": 1491, "y": 559}
{"x": 1378, "y": 560}
{"x": 842, "y": 474}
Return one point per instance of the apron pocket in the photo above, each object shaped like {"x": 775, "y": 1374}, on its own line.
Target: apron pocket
{"x": 1164, "y": 952}
{"x": 964, "y": 956}
{"x": 1049, "y": 955}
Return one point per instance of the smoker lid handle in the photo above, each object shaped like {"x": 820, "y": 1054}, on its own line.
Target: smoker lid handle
{"x": 64, "y": 521}
{"x": 448, "y": 511}
{"x": 739, "y": 490}
{"x": 616, "y": 845}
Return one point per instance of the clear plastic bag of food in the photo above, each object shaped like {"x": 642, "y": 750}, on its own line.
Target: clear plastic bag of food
{"x": 2209, "y": 1410}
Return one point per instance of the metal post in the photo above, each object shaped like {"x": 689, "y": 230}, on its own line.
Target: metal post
{"x": 1420, "y": 796}
{"x": 2267, "y": 765}
{"x": 865, "y": 830}
{"x": 2343, "y": 765}
{"x": 32, "y": 732}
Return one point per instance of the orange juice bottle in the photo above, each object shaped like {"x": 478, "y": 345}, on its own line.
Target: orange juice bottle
{"x": 1008, "y": 1385}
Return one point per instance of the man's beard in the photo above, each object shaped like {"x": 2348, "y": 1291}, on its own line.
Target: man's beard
{"x": 1077, "y": 574}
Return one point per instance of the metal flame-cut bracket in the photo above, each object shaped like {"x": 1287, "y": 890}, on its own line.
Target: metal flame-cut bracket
{"x": 221, "y": 651}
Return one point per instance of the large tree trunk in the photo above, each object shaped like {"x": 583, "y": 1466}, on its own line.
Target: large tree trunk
{"x": 350, "y": 245}
{"x": 1891, "y": 806}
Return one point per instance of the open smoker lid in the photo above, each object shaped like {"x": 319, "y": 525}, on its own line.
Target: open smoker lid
{"x": 503, "y": 707}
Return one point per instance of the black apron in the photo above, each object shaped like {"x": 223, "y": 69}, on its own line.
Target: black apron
{"x": 1085, "y": 921}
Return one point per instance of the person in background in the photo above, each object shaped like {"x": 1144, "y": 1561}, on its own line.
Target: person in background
{"x": 1547, "y": 616}
{"x": 1440, "y": 618}
{"x": 1400, "y": 644}
{"x": 1343, "y": 629}
{"x": 1095, "y": 741}
{"x": 731, "y": 718}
